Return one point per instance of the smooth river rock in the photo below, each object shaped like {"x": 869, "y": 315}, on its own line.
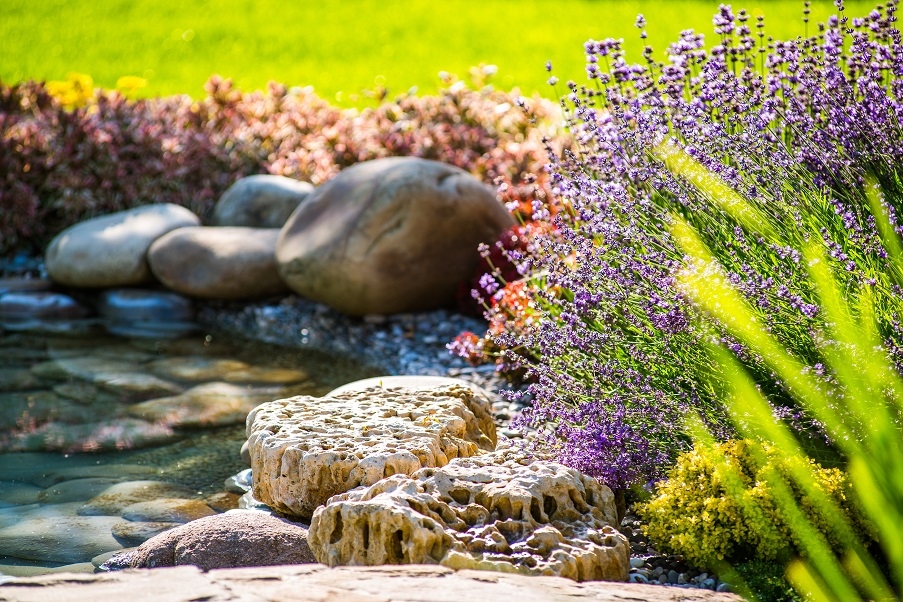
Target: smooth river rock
{"x": 111, "y": 250}
{"x": 75, "y": 490}
{"x": 207, "y": 405}
{"x": 114, "y": 499}
{"x": 261, "y": 201}
{"x": 306, "y": 449}
{"x": 234, "y": 539}
{"x": 173, "y": 510}
{"x": 389, "y": 235}
{"x": 59, "y": 538}
{"x": 218, "y": 263}
{"x": 139, "y": 305}
{"x": 40, "y": 305}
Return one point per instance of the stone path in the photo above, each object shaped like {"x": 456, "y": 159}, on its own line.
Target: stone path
{"x": 315, "y": 582}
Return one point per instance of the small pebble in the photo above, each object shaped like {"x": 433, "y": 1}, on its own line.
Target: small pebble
{"x": 658, "y": 571}
{"x": 724, "y": 587}
{"x": 637, "y": 563}
{"x": 637, "y": 578}
{"x": 709, "y": 583}
{"x": 682, "y": 578}
{"x": 672, "y": 576}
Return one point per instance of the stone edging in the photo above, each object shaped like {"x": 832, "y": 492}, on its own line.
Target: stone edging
{"x": 316, "y": 582}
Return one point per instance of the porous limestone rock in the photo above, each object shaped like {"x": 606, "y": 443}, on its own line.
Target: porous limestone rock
{"x": 218, "y": 263}
{"x": 111, "y": 250}
{"x": 390, "y": 235}
{"x": 307, "y": 449}
{"x": 540, "y": 518}
{"x": 261, "y": 201}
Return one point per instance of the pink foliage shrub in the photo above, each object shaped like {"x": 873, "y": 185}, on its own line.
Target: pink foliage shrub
{"x": 59, "y": 166}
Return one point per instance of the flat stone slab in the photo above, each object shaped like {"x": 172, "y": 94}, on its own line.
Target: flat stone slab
{"x": 316, "y": 582}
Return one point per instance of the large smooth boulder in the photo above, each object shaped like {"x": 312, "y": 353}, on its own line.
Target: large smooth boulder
{"x": 388, "y": 236}
{"x": 485, "y": 513}
{"x": 111, "y": 250}
{"x": 236, "y": 538}
{"x": 218, "y": 263}
{"x": 262, "y": 201}
{"x": 305, "y": 449}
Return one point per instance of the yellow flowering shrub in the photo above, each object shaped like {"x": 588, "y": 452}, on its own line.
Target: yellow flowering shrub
{"x": 692, "y": 513}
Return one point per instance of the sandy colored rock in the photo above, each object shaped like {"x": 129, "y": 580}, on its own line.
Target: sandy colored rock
{"x": 218, "y": 263}
{"x": 540, "y": 518}
{"x": 389, "y": 235}
{"x": 194, "y": 368}
{"x": 307, "y": 449}
{"x": 210, "y": 404}
{"x": 134, "y": 533}
{"x": 317, "y": 583}
{"x": 111, "y": 250}
{"x": 115, "y": 498}
{"x": 173, "y": 510}
{"x": 122, "y": 378}
{"x": 222, "y": 501}
{"x": 236, "y": 538}
{"x": 261, "y": 201}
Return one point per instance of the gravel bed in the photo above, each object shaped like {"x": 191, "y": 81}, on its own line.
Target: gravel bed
{"x": 415, "y": 344}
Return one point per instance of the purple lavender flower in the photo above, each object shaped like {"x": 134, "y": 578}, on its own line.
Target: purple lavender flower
{"x": 800, "y": 129}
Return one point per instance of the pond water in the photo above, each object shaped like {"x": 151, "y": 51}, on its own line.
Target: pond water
{"x": 106, "y": 440}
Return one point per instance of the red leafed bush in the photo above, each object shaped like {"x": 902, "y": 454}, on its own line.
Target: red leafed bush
{"x": 59, "y": 166}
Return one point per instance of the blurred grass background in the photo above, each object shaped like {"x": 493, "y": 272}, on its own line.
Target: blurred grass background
{"x": 344, "y": 47}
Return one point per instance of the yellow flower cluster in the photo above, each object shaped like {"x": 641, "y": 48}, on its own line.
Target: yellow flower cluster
{"x": 692, "y": 513}
{"x": 77, "y": 90}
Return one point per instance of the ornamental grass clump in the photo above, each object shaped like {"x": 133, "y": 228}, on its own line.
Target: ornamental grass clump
{"x": 860, "y": 409}
{"x": 763, "y": 147}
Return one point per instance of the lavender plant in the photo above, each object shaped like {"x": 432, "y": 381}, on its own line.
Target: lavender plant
{"x": 796, "y": 128}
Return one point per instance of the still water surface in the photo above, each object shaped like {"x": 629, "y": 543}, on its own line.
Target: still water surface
{"x": 82, "y": 413}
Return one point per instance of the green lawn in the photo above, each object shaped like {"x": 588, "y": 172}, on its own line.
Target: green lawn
{"x": 340, "y": 47}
